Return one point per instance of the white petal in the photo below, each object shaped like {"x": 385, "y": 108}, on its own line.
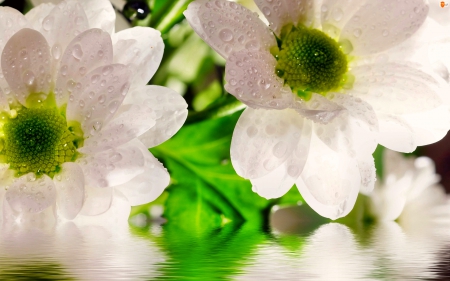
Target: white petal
{"x": 367, "y": 171}
{"x": 318, "y": 109}
{"x": 147, "y": 186}
{"x": 330, "y": 181}
{"x": 98, "y": 200}
{"x": 396, "y": 88}
{"x": 115, "y": 215}
{"x": 28, "y": 194}
{"x": 395, "y": 133}
{"x": 263, "y": 140}
{"x": 429, "y": 126}
{"x": 25, "y": 64}
{"x": 277, "y": 182}
{"x": 36, "y": 15}
{"x": 169, "y": 110}
{"x": 70, "y": 185}
{"x": 100, "y": 14}
{"x": 97, "y": 97}
{"x": 380, "y": 25}
{"x": 251, "y": 78}
{"x": 142, "y": 49}
{"x": 86, "y": 52}
{"x": 280, "y": 13}
{"x": 336, "y": 14}
{"x": 63, "y": 23}
{"x": 228, "y": 27}
{"x": 114, "y": 166}
{"x": 132, "y": 123}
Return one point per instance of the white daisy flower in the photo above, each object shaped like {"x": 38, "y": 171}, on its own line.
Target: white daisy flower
{"x": 324, "y": 83}
{"x": 409, "y": 191}
{"x": 76, "y": 115}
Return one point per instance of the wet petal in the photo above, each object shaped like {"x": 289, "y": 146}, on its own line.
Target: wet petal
{"x": 169, "y": 110}
{"x": 228, "y": 27}
{"x": 280, "y": 13}
{"x": 25, "y": 64}
{"x": 36, "y": 15}
{"x": 28, "y": 194}
{"x": 97, "y": 97}
{"x": 367, "y": 171}
{"x": 65, "y": 21}
{"x": 98, "y": 200}
{"x": 263, "y": 140}
{"x": 330, "y": 181}
{"x": 381, "y": 25}
{"x": 114, "y": 166}
{"x": 395, "y": 133}
{"x": 318, "y": 109}
{"x": 396, "y": 88}
{"x": 70, "y": 185}
{"x": 251, "y": 78}
{"x": 336, "y": 14}
{"x": 142, "y": 49}
{"x": 278, "y": 181}
{"x": 100, "y": 14}
{"x": 147, "y": 186}
{"x": 132, "y": 123}
{"x": 87, "y": 51}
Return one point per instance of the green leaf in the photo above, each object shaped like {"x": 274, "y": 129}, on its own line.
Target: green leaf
{"x": 207, "y": 193}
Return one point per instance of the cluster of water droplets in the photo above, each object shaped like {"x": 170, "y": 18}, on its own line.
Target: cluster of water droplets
{"x": 232, "y": 27}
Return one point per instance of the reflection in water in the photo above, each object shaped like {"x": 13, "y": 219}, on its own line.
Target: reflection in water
{"x": 76, "y": 252}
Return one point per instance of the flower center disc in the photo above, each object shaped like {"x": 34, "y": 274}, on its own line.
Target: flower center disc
{"x": 38, "y": 141}
{"x": 309, "y": 60}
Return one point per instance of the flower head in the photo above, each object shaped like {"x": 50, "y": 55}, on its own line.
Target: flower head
{"x": 409, "y": 191}
{"x": 324, "y": 83}
{"x": 76, "y": 114}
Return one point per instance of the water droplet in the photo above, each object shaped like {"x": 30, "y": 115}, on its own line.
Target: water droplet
{"x": 337, "y": 14}
{"x": 91, "y": 94}
{"x": 23, "y": 54}
{"x": 100, "y": 53}
{"x": 77, "y": 52}
{"x": 279, "y": 150}
{"x": 95, "y": 78}
{"x": 81, "y": 103}
{"x": 113, "y": 106}
{"x": 385, "y": 32}
{"x": 252, "y": 45}
{"x": 293, "y": 170}
{"x": 107, "y": 70}
{"x": 266, "y": 11}
{"x": 82, "y": 70}
{"x": 114, "y": 157}
{"x": 56, "y": 51}
{"x": 70, "y": 85}
{"x": 252, "y": 131}
{"x": 29, "y": 78}
{"x": 79, "y": 21}
{"x": 110, "y": 89}
{"x": 101, "y": 99}
{"x": 47, "y": 23}
{"x": 357, "y": 32}
{"x": 211, "y": 24}
{"x": 416, "y": 10}
{"x": 226, "y": 35}
{"x": 63, "y": 70}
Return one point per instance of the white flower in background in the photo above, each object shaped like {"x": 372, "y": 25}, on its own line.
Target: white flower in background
{"x": 76, "y": 115}
{"x": 324, "y": 83}
{"x": 409, "y": 191}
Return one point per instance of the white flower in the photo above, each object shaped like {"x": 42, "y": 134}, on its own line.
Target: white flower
{"x": 409, "y": 191}
{"x": 336, "y": 84}
{"x": 76, "y": 115}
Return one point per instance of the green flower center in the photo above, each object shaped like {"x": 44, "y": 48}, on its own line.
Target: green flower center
{"x": 310, "y": 61}
{"x": 38, "y": 140}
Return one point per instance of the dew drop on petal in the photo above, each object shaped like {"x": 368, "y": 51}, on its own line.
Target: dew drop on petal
{"x": 337, "y": 14}
{"x": 266, "y": 11}
{"x": 357, "y": 32}
{"x": 107, "y": 70}
{"x": 95, "y": 78}
{"x": 114, "y": 157}
{"x": 385, "y": 32}
{"x": 226, "y": 35}
{"x": 252, "y": 131}
{"x": 63, "y": 70}
{"x": 113, "y": 106}
{"x": 279, "y": 150}
{"x": 77, "y": 52}
{"x": 101, "y": 99}
{"x": 47, "y": 23}
{"x": 56, "y": 51}
{"x": 70, "y": 85}
{"x": 82, "y": 70}
{"x": 79, "y": 20}
{"x": 29, "y": 78}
